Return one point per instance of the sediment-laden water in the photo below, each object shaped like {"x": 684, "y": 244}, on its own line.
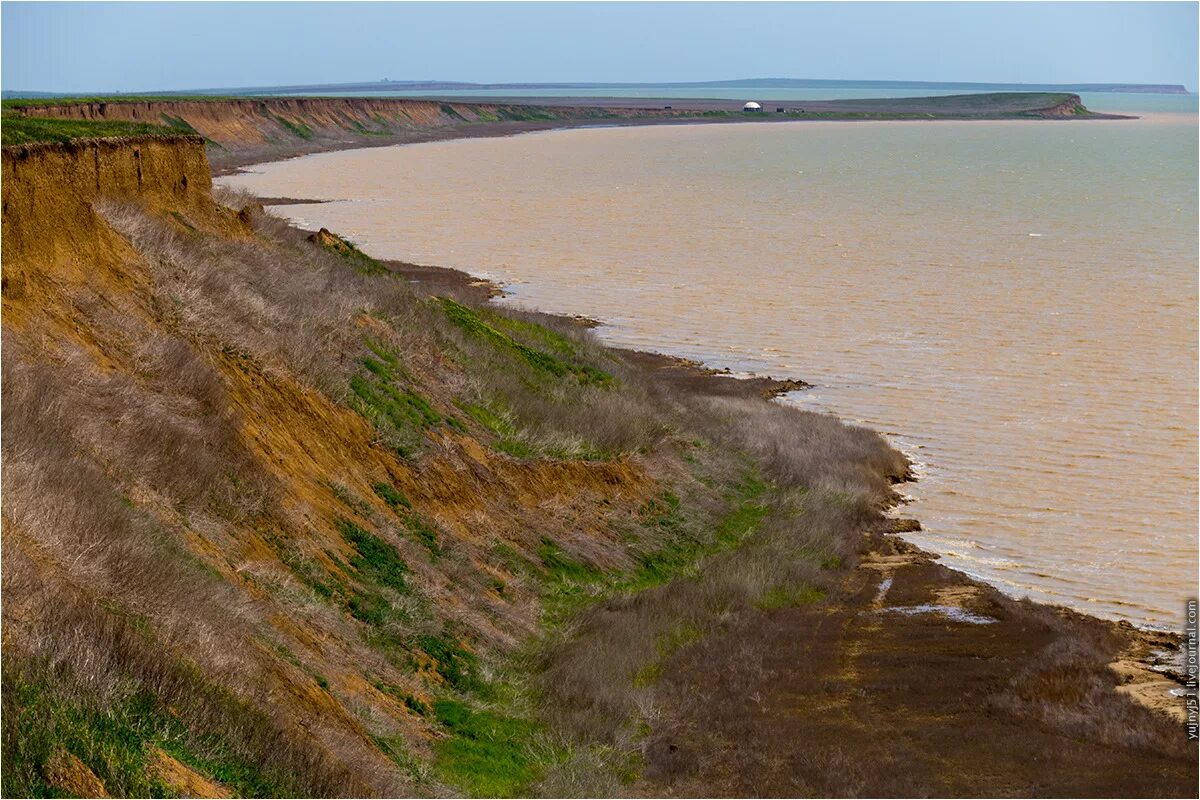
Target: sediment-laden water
{"x": 1014, "y": 303}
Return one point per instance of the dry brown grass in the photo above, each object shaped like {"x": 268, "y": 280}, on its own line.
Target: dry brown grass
{"x": 828, "y": 486}
{"x": 101, "y": 599}
{"x": 804, "y": 449}
{"x": 1068, "y": 687}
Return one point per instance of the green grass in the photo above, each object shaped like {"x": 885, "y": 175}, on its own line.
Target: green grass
{"x": 413, "y": 525}
{"x": 487, "y": 754}
{"x": 178, "y": 123}
{"x": 530, "y": 331}
{"x": 472, "y": 323}
{"x": 426, "y": 536}
{"x": 666, "y": 646}
{"x": 525, "y": 114}
{"x": 349, "y": 499}
{"x": 413, "y": 704}
{"x": 509, "y": 438}
{"x": 683, "y": 548}
{"x": 35, "y": 102}
{"x": 399, "y": 413}
{"x": 493, "y": 751}
{"x": 111, "y": 742}
{"x": 361, "y": 262}
{"x": 365, "y": 131}
{"x": 745, "y": 511}
{"x": 114, "y": 741}
{"x": 561, "y": 567}
{"x": 567, "y": 585}
{"x": 376, "y": 560}
{"x": 392, "y": 496}
{"x": 396, "y": 749}
{"x": 458, "y": 666}
{"x": 28, "y": 130}
{"x": 311, "y": 574}
{"x": 295, "y": 128}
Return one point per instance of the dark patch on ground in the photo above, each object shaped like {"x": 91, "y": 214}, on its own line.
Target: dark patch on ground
{"x": 849, "y": 698}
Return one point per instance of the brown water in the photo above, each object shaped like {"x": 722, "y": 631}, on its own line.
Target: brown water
{"x": 1014, "y": 303}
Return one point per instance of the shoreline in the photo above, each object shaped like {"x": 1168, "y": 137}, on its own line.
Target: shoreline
{"x": 1079, "y": 603}
{"x": 1147, "y": 675}
{"x": 683, "y": 371}
{"x": 1140, "y": 664}
{"x": 690, "y": 374}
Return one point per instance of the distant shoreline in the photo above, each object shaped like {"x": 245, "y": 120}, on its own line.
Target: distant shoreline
{"x": 240, "y": 131}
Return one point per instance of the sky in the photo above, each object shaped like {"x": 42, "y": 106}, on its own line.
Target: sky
{"x": 107, "y": 47}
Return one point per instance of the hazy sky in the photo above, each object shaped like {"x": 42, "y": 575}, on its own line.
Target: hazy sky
{"x": 143, "y": 46}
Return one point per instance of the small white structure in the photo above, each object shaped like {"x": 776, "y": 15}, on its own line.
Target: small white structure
{"x": 752, "y": 108}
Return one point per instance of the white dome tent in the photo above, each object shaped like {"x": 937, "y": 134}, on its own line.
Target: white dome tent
{"x": 752, "y": 108}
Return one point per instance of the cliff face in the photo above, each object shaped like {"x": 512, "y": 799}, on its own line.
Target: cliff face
{"x": 51, "y": 230}
{"x": 272, "y": 125}
{"x": 275, "y": 519}
{"x": 1072, "y": 106}
{"x": 172, "y": 480}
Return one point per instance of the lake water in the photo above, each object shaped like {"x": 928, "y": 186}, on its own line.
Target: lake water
{"x": 1013, "y": 303}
